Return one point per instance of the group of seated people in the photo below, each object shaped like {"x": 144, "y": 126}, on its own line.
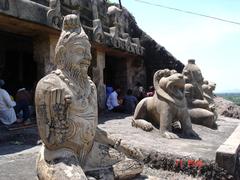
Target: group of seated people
{"x": 17, "y": 111}
{"x": 115, "y": 102}
{"x": 12, "y": 112}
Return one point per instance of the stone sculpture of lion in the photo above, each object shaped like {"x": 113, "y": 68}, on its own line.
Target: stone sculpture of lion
{"x": 166, "y": 107}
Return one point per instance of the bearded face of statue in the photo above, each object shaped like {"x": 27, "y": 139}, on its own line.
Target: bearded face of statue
{"x": 80, "y": 55}
{"x": 73, "y": 50}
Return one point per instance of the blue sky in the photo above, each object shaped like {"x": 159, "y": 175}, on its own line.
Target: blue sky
{"x": 215, "y": 45}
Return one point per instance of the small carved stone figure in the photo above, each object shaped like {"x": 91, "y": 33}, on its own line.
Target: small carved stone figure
{"x": 199, "y": 109}
{"x": 167, "y": 106}
{"x": 120, "y": 21}
{"x": 208, "y": 88}
{"x": 98, "y": 33}
{"x": 66, "y": 108}
{"x": 59, "y": 8}
{"x": 54, "y": 15}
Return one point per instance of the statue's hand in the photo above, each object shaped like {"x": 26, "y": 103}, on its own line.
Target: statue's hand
{"x": 58, "y": 103}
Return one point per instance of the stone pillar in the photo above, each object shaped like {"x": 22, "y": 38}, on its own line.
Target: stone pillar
{"x": 135, "y": 72}
{"x": 98, "y": 78}
{"x": 53, "y": 42}
{"x": 44, "y": 47}
{"x": 130, "y": 74}
{"x": 41, "y": 54}
{"x": 2, "y": 60}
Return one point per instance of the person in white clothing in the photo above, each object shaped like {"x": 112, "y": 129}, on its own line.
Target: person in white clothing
{"x": 112, "y": 102}
{"x": 7, "y": 113}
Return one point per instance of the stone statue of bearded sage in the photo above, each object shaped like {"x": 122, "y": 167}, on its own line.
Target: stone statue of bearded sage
{"x": 66, "y": 108}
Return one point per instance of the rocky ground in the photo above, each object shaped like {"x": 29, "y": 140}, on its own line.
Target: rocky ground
{"x": 19, "y": 148}
{"x": 150, "y": 142}
{"x": 18, "y": 154}
{"x": 227, "y": 108}
{"x": 17, "y": 162}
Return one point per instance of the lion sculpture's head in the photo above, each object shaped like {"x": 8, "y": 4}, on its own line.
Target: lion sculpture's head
{"x": 170, "y": 85}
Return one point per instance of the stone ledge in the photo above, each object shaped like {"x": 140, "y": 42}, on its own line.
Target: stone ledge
{"x": 227, "y": 153}
{"x": 27, "y": 10}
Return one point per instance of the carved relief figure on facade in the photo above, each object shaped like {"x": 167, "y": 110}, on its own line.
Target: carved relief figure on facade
{"x": 4, "y": 5}
{"x": 66, "y": 110}
{"x": 98, "y": 33}
{"x": 167, "y": 106}
{"x": 59, "y": 8}
{"x": 199, "y": 109}
{"x": 54, "y": 15}
{"x": 118, "y": 18}
{"x": 119, "y": 27}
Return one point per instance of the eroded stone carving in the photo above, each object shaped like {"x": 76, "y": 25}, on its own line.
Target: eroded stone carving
{"x": 120, "y": 21}
{"x": 98, "y": 33}
{"x": 4, "y": 5}
{"x": 54, "y": 15}
{"x": 208, "y": 88}
{"x": 199, "y": 109}
{"x": 66, "y": 107}
{"x": 119, "y": 37}
{"x": 167, "y": 106}
{"x": 60, "y": 8}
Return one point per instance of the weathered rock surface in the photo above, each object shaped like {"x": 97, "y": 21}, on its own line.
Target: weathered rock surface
{"x": 17, "y": 161}
{"x": 227, "y": 108}
{"x": 150, "y": 142}
{"x": 21, "y": 165}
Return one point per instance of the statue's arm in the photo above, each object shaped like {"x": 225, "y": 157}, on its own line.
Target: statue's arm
{"x": 116, "y": 143}
{"x": 104, "y": 138}
{"x": 200, "y": 103}
{"x": 195, "y": 103}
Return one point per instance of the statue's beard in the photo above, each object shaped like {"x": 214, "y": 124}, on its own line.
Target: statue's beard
{"x": 76, "y": 73}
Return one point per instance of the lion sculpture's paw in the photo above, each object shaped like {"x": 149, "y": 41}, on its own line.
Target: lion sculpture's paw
{"x": 141, "y": 123}
{"x": 169, "y": 135}
{"x": 191, "y": 134}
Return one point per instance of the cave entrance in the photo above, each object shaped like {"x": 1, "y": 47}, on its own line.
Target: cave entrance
{"x": 17, "y": 67}
{"x": 115, "y": 72}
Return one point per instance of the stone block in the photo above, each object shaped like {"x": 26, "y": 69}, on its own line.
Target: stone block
{"x": 227, "y": 153}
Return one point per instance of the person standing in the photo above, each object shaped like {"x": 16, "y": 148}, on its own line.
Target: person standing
{"x": 7, "y": 113}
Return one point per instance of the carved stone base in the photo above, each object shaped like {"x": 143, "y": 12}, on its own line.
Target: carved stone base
{"x": 102, "y": 163}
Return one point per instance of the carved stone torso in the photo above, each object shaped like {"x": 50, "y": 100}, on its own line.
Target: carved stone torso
{"x": 193, "y": 92}
{"x": 76, "y": 129}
